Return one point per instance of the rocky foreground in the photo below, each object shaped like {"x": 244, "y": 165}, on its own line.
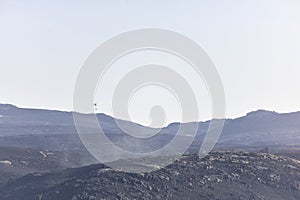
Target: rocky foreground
{"x": 220, "y": 175}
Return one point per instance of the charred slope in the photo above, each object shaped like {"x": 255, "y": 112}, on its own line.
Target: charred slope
{"x": 18, "y": 162}
{"x": 217, "y": 176}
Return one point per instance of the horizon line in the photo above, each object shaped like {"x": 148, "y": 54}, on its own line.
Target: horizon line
{"x": 174, "y": 122}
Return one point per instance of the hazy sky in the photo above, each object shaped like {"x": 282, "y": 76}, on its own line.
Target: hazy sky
{"x": 255, "y": 45}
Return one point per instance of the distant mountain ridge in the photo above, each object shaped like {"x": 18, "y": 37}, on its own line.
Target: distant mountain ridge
{"x": 46, "y": 117}
{"x": 30, "y": 127}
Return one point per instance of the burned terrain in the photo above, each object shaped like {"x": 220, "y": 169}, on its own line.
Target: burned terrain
{"x": 219, "y": 175}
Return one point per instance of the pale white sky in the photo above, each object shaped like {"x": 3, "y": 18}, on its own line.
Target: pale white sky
{"x": 255, "y": 45}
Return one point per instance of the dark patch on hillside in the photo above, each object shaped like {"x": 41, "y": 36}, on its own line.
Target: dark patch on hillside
{"x": 217, "y": 176}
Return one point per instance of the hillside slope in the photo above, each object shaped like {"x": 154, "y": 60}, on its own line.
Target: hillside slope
{"x": 220, "y": 175}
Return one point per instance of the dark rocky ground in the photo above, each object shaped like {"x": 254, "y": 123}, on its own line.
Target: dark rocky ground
{"x": 220, "y": 175}
{"x": 18, "y": 162}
